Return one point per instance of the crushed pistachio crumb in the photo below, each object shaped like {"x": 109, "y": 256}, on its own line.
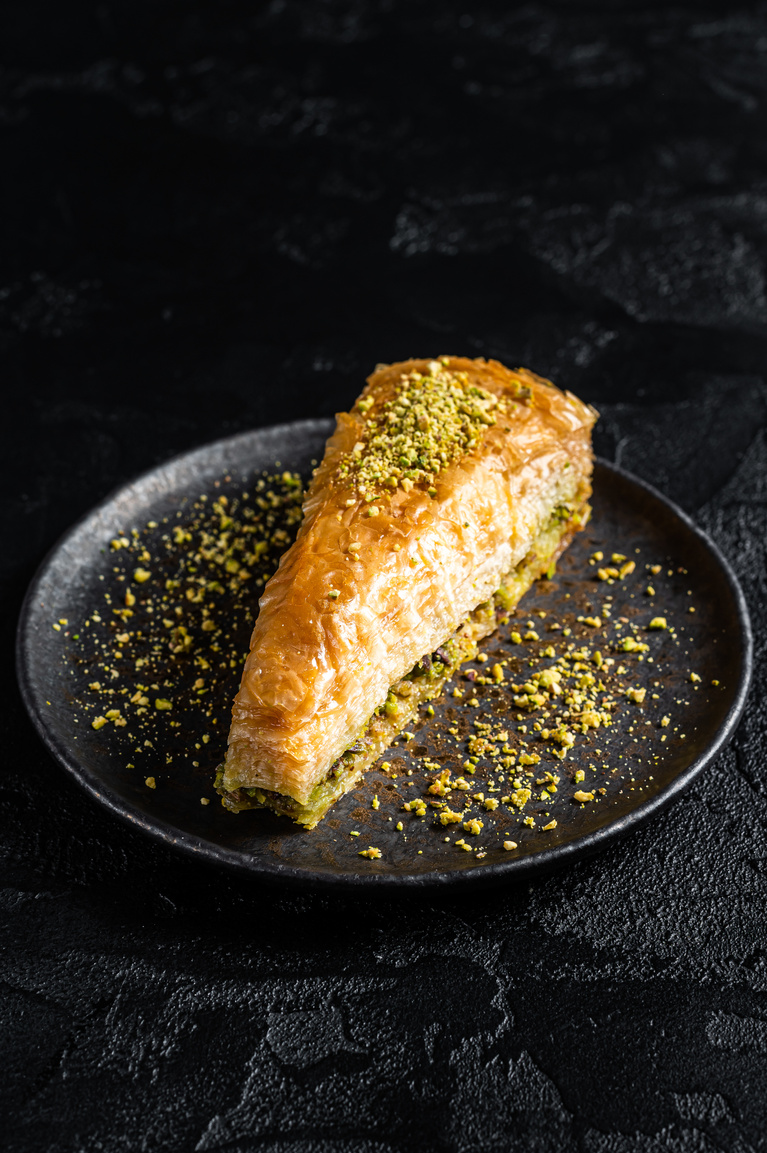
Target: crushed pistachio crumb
{"x": 432, "y": 419}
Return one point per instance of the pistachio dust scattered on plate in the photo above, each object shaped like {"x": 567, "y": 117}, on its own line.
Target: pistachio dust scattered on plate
{"x": 164, "y": 652}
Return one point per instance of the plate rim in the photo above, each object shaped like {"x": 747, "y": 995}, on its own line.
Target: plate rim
{"x": 288, "y": 874}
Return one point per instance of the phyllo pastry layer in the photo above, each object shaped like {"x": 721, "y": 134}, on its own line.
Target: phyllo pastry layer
{"x": 446, "y": 491}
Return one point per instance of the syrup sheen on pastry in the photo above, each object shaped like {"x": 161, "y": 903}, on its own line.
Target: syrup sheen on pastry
{"x": 450, "y": 484}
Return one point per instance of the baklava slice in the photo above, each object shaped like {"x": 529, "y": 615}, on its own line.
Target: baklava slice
{"x": 448, "y": 489}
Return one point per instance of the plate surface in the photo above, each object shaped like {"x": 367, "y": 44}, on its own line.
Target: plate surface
{"x": 640, "y": 762}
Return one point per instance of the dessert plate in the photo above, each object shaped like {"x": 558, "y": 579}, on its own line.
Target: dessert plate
{"x": 133, "y": 631}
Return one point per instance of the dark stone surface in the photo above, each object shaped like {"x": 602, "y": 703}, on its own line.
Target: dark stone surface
{"x": 219, "y": 215}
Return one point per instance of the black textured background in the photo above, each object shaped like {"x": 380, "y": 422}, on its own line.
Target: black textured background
{"x": 220, "y": 215}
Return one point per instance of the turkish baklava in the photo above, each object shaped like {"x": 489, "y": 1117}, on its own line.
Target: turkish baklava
{"x": 448, "y": 489}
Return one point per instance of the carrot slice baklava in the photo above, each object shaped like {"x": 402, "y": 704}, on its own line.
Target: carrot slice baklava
{"x": 448, "y": 489}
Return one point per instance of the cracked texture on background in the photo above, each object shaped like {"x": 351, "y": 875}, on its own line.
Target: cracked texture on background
{"x": 223, "y": 215}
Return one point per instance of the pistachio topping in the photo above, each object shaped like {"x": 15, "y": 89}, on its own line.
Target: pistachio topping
{"x": 433, "y": 418}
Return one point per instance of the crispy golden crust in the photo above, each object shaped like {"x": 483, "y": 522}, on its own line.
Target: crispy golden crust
{"x": 424, "y": 683}
{"x": 319, "y": 663}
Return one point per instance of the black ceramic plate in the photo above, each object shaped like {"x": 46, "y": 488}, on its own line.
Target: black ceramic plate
{"x": 640, "y": 769}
